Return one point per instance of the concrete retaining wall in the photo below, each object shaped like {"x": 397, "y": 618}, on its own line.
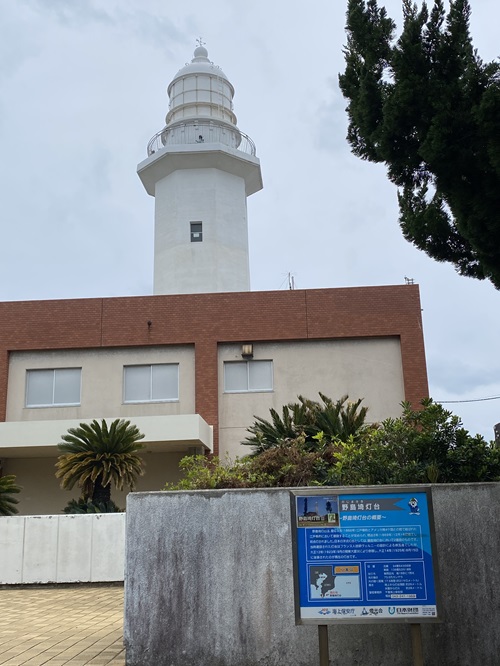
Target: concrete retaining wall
{"x": 62, "y": 549}
{"x": 209, "y": 581}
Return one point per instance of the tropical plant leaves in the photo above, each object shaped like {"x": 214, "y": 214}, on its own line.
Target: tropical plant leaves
{"x": 307, "y": 418}
{"x": 8, "y": 488}
{"x": 96, "y": 457}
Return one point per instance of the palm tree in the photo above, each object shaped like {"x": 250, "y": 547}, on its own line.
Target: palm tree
{"x": 341, "y": 418}
{"x": 8, "y": 487}
{"x": 94, "y": 456}
{"x": 308, "y": 418}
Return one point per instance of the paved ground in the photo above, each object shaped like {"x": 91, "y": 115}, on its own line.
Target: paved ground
{"x": 62, "y": 625}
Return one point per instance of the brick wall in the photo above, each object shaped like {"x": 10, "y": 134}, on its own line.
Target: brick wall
{"x": 208, "y": 319}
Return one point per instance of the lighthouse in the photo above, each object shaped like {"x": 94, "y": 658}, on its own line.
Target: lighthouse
{"x": 200, "y": 169}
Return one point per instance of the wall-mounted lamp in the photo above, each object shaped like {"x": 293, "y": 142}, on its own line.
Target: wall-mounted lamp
{"x": 247, "y": 351}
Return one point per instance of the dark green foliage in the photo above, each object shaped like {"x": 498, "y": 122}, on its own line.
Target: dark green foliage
{"x": 306, "y": 419}
{"x": 95, "y": 456}
{"x": 425, "y": 446}
{"x": 8, "y": 488}
{"x": 209, "y": 473}
{"x": 87, "y": 506}
{"x": 295, "y": 462}
{"x": 428, "y": 107}
{"x": 422, "y": 446}
{"x": 291, "y": 463}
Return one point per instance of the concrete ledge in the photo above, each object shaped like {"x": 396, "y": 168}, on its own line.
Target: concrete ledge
{"x": 173, "y": 157}
{"x": 20, "y": 439}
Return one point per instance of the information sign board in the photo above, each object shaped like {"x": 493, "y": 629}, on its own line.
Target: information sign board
{"x": 364, "y": 554}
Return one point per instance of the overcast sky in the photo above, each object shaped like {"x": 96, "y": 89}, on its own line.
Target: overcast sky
{"x": 82, "y": 90}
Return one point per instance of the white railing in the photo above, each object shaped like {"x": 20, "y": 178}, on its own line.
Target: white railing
{"x": 199, "y": 132}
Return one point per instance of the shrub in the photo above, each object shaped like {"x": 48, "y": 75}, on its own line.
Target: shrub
{"x": 202, "y": 472}
{"x": 428, "y": 445}
{"x": 87, "y": 506}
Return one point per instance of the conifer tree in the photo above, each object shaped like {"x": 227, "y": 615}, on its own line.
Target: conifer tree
{"x": 428, "y": 107}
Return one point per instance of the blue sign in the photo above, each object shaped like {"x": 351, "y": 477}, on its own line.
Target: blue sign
{"x": 365, "y": 555}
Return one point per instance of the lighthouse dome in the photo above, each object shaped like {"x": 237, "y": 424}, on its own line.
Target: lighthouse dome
{"x": 200, "y": 90}
{"x": 200, "y": 64}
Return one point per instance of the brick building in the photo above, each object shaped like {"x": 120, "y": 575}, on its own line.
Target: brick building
{"x": 65, "y": 361}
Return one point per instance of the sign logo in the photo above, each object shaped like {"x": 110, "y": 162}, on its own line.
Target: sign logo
{"x": 414, "y": 508}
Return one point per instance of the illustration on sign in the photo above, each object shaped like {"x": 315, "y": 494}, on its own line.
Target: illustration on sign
{"x": 365, "y": 556}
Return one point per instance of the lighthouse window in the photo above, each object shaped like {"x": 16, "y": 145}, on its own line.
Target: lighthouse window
{"x": 196, "y": 232}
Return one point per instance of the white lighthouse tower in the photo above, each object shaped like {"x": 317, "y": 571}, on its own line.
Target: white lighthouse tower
{"x": 201, "y": 168}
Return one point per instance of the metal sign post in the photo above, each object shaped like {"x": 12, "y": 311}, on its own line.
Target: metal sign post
{"x": 365, "y": 555}
{"x": 324, "y": 657}
{"x": 416, "y": 645}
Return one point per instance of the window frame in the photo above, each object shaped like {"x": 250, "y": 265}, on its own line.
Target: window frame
{"x": 150, "y": 400}
{"x": 248, "y": 364}
{"x": 42, "y": 405}
{"x": 196, "y": 234}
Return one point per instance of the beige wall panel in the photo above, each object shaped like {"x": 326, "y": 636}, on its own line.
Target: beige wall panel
{"x": 370, "y": 369}
{"x": 73, "y": 553}
{"x": 62, "y": 549}
{"x": 40, "y": 534}
{"x": 160, "y": 468}
{"x": 11, "y": 549}
{"x": 102, "y": 382}
{"x": 42, "y": 495}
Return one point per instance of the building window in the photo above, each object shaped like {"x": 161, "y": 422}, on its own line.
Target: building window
{"x": 151, "y": 383}
{"x": 51, "y": 388}
{"x": 244, "y": 376}
{"x": 196, "y": 232}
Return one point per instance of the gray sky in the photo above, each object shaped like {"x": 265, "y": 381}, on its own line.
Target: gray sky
{"x": 82, "y": 90}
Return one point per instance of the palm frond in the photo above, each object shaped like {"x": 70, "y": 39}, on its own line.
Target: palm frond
{"x": 8, "y": 488}
{"x": 307, "y": 418}
{"x": 95, "y": 456}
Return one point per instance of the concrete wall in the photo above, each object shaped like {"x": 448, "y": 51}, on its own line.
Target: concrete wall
{"x": 62, "y": 549}
{"x": 370, "y": 369}
{"x": 209, "y": 581}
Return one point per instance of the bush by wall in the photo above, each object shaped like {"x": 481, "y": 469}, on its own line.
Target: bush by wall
{"x": 429, "y": 445}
